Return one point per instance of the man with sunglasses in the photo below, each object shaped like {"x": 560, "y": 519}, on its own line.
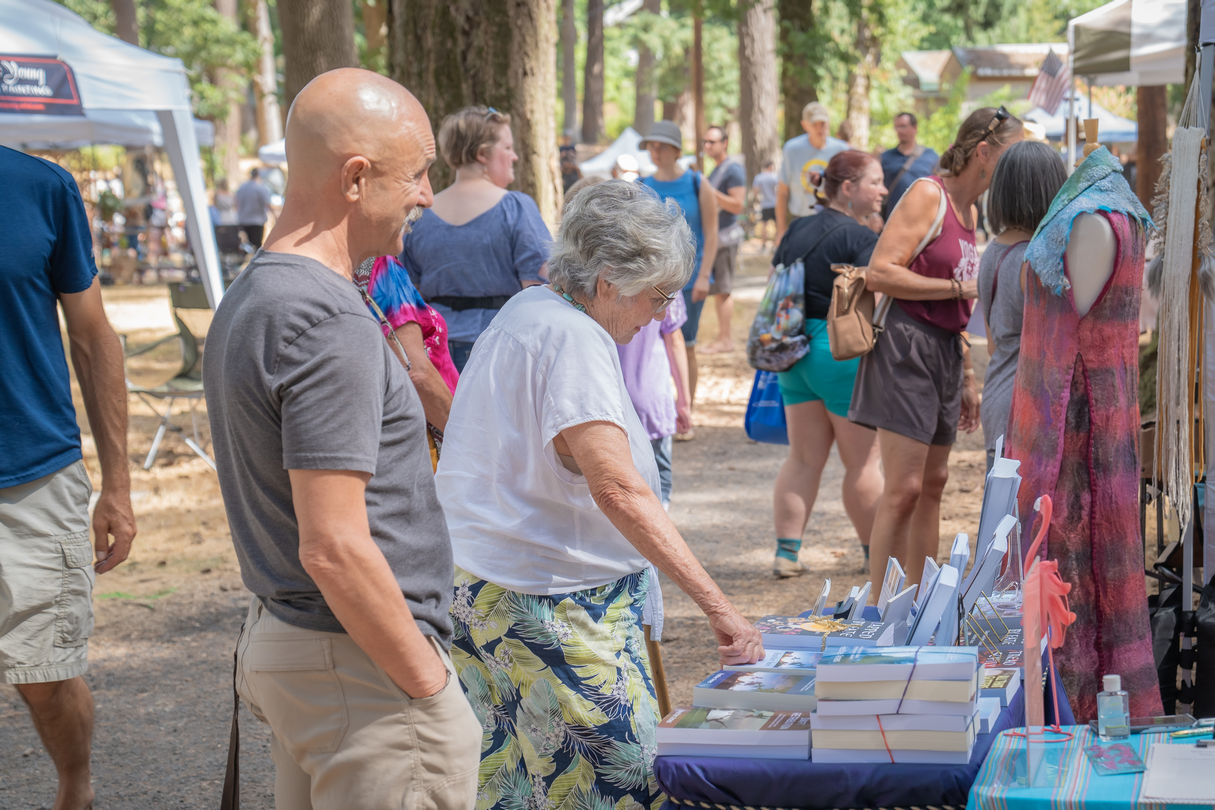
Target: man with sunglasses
{"x": 729, "y": 183}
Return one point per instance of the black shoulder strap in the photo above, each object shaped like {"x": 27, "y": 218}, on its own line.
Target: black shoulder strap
{"x": 230, "y": 798}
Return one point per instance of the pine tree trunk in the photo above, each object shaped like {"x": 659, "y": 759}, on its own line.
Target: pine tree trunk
{"x": 126, "y": 23}
{"x": 592, "y": 74}
{"x": 698, "y": 86}
{"x": 265, "y": 77}
{"x": 227, "y": 129}
{"x": 494, "y": 52}
{"x": 533, "y": 82}
{"x": 1153, "y": 140}
{"x": 867, "y": 50}
{"x": 643, "y": 109}
{"x": 798, "y": 61}
{"x": 375, "y": 18}
{"x": 569, "y": 69}
{"x": 757, "y": 96}
{"x": 318, "y": 36}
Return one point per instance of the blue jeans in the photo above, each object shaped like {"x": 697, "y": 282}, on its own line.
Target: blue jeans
{"x": 460, "y": 350}
{"x": 662, "y": 455}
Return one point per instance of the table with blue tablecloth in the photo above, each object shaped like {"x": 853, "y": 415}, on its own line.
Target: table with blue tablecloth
{"x": 1077, "y": 785}
{"x": 786, "y": 783}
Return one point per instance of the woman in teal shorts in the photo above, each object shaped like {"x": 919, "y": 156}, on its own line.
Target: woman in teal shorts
{"x": 817, "y": 390}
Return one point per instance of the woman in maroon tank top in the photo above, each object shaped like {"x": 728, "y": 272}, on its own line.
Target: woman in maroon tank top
{"x": 917, "y": 387}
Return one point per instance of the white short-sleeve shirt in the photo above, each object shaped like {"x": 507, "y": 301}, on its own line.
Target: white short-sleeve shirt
{"x": 517, "y": 517}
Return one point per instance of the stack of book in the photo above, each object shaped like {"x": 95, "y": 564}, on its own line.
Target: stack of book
{"x": 899, "y": 704}
{"x": 759, "y": 710}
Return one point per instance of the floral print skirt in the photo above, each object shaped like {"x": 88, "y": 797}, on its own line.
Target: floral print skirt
{"x": 562, "y": 687}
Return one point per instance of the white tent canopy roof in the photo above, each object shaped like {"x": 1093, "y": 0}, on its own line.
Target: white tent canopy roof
{"x": 134, "y": 128}
{"x": 1112, "y": 128}
{"x": 112, "y": 75}
{"x": 1130, "y": 42}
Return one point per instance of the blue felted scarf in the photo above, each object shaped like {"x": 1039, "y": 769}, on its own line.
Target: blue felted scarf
{"x": 1096, "y": 185}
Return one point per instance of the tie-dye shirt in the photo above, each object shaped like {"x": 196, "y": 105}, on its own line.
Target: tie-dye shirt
{"x": 389, "y": 285}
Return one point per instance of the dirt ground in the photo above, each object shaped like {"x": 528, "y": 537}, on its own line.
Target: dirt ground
{"x": 166, "y": 621}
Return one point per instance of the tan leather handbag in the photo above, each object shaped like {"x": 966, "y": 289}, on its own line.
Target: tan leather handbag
{"x": 852, "y": 327}
{"x": 855, "y": 321}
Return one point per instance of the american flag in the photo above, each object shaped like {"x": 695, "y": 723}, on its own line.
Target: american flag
{"x": 1051, "y": 84}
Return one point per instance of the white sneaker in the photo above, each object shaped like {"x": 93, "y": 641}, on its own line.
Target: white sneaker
{"x": 784, "y": 568}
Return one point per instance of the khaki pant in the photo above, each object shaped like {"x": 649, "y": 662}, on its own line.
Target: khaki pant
{"x": 46, "y": 578}
{"x": 343, "y": 735}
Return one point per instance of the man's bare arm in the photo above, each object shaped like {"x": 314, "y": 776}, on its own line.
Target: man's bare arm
{"x": 337, "y": 551}
{"x": 97, "y": 358}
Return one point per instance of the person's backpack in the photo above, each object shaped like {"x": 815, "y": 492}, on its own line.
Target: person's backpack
{"x": 778, "y": 334}
{"x": 855, "y": 319}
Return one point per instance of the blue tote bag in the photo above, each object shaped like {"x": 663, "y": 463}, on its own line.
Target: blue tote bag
{"x": 765, "y": 418}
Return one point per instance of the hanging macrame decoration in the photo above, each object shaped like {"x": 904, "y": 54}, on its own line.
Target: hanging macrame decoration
{"x": 1181, "y": 273}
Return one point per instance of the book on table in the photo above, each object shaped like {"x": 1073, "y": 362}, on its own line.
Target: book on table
{"x": 817, "y": 632}
{"x": 793, "y": 662}
{"x": 895, "y": 663}
{"x": 954, "y": 723}
{"x": 1001, "y": 658}
{"x": 879, "y": 739}
{"x": 915, "y": 689}
{"x": 892, "y": 583}
{"x": 1001, "y": 684}
{"x": 888, "y": 697}
{"x": 844, "y": 756}
{"x": 987, "y": 711}
{"x": 734, "y": 733}
{"x": 771, "y": 691}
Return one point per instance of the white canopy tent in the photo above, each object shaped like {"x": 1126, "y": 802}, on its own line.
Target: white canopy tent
{"x": 1113, "y": 128}
{"x": 112, "y": 75}
{"x": 132, "y": 128}
{"x": 274, "y": 153}
{"x": 627, "y": 144}
{"x": 1139, "y": 43}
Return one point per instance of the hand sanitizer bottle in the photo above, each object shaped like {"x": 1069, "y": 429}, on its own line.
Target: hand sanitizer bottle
{"x": 1113, "y": 711}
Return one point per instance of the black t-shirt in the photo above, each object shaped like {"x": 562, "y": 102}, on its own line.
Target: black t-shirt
{"x": 850, "y": 244}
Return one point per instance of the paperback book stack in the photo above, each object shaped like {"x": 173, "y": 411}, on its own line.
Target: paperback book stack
{"x": 759, "y": 710}
{"x": 898, "y": 704}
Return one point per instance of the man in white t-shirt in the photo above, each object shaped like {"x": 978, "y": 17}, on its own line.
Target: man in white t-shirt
{"x": 803, "y": 161}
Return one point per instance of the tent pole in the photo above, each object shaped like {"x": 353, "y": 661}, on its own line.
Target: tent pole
{"x": 1070, "y": 129}
{"x": 182, "y": 148}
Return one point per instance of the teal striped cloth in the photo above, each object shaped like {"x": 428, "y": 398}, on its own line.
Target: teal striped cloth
{"x": 1073, "y": 782}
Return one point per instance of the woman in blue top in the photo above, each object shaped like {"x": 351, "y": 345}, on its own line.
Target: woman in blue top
{"x": 479, "y": 244}
{"x": 694, "y": 197}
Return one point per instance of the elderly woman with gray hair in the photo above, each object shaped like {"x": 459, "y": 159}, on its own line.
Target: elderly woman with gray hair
{"x": 549, "y": 485}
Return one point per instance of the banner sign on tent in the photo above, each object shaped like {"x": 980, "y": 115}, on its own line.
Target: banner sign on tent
{"x": 37, "y": 84}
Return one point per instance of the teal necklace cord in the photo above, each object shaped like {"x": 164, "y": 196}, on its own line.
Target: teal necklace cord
{"x": 557, "y": 289}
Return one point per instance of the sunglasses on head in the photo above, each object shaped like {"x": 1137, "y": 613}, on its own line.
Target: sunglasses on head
{"x": 1000, "y": 117}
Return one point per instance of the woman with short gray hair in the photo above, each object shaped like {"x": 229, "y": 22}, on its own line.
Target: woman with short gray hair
{"x": 549, "y": 485}
{"x": 1025, "y": 181}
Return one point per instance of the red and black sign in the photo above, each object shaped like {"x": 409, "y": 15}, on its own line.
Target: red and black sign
{"x": 37, "y": 84}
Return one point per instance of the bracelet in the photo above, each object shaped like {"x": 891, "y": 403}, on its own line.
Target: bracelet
{"x": 968, "y": 372}
{"x": 956, "y": 287}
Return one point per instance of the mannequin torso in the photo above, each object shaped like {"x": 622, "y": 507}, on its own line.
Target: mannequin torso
{"x": 1091, "y": 252}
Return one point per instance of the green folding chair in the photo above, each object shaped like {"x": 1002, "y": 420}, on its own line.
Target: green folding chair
{"x": 186, "y": 384}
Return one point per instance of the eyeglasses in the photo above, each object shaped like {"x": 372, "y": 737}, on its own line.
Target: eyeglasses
{"x": 710, "y": 142}
{"x": 666, "y": 301}
{"x": 1001, "y": 116}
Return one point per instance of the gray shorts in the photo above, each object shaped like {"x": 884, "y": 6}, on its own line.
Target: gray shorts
{"x": 46, "y": 578}
{"x": 724, "y": 265}
{"x": 911, "y": 383}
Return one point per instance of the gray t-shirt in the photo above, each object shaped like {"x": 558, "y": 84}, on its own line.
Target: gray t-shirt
{"x": 799, "y": 160}
{"x": 299, "y": 377}
{"x": 725, "y": 176}
{"x": 765, "y": 184}
{"x": 1003, "y": 305}
{"x": 252, "y": 200}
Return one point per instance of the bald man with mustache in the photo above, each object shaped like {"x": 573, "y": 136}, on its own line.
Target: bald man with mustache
{"x": 320, "y": 440}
